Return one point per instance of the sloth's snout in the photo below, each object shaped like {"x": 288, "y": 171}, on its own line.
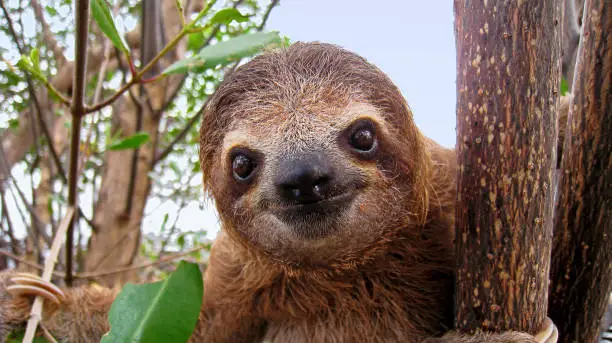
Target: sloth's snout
{"x": 305, "y": 178}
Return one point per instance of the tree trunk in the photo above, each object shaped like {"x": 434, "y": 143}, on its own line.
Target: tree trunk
{"x": 508, "y": 72}
{"x": 116, "y": 240}
{"x": 581, "y": 276}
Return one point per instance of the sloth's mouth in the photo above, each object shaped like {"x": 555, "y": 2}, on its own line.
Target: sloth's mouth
{"x": 315, "y": 210}
{"x": 315, "y": 220}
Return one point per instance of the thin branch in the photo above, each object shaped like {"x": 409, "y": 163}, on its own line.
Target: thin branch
{"x": 50, "y": 41}
{"x": 166, "y": 259}
{"x": 190, "y": 123}
{"x": 19, "y": 259}
{"x": 36, "y": 237}
{"x": 35, "y": 219}
{"x": 134, "y": 161}
{"x": 48, "y": 336}
{"x": 127, "y": 233}
{"x": 9, "y": 223}
{"x": 264, "y": 20}
{"x": 77, "y": 111}
{"x": 36, "y": 312}
{"x": 28, "y": 227}
{"x": 94, "y": 275}
{"x": 172, "y": 230}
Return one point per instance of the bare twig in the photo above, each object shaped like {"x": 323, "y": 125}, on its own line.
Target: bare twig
{"x": 48, "y": 336}
{"x": 36, "y": 222}
{"x": 102, "y": 273}
{"x": 264, "y": 20}
{"x": 36, "y": 312}
{"x": 166, "y": 259}
{"x": 172, "y": 230}
{"x": 16, "y": 258}
{"x": 9, "y": 222}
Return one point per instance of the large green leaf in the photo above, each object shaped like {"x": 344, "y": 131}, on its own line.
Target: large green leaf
{"x": 164, "y": 312}
{"x": 102, "y": 15}
{"x": 225, "y": 16}
{"x": 131, "y": 142}
{"x": 226, "y": 52}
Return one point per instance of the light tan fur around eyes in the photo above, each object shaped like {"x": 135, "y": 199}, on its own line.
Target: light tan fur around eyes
{"x": 297, "y": 127}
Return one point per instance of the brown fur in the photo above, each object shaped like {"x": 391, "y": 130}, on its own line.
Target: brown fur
{"x": 381, "y": 272}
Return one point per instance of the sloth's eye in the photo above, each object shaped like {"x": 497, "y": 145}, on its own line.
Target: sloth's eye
{"x": 242, "y": 166}
{"x": 363, "y": 139}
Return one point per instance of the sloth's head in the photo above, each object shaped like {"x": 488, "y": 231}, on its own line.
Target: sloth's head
{"x": 312, "y": 156}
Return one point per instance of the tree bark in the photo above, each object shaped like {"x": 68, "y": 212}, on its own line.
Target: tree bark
{"x": 581, "y": 275}
{"x": 508, "y": 72}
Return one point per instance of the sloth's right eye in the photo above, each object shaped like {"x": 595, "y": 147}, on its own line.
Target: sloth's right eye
{"x": 363, "y": 139}
{"x": 242, "y": 166}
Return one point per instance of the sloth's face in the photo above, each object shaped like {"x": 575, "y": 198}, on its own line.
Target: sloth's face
{"x": 314, "y": 184}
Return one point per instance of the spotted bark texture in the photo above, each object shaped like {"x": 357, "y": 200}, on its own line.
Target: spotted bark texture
{"x": 581, "y": 272}
{"x": 508, "y": 72}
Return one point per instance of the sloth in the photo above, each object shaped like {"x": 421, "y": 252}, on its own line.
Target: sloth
{"x": 337, "y": 215}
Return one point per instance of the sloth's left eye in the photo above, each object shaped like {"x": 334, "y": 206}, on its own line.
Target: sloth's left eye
{"x": 363, "y": 139}
{"x": 242, "y": 166}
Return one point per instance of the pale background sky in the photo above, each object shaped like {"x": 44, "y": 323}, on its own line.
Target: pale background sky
{"x": 411, "y": 41}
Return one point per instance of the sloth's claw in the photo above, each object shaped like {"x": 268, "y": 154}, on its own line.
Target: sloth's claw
{"x": 548, "y": 334}
{"x": 28, "y": 284}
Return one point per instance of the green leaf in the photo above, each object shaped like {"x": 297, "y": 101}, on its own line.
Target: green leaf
{"x": 102, "y": 15}
{"x": 195, "y": 41}
{"x": 131, "y": 142}
{"x": 12, "y": 78}
{"x": 165, "y": 311}
{"x": 181, "y": 241}
{"x": 163, "y": 226}
{"x": 34, "y": 57}
{"x": 225, "y": 16}
{"x": 564, "y": 87}
{"x": 226, "y": 52}
{"x": 196, "y": 167}
{"x": 175, "y": 168}
{"x": 17, "y": 337}
{"x": 52, "y": 11}
{"x": 13, "y": 123}
{"x": 26, "y": 63}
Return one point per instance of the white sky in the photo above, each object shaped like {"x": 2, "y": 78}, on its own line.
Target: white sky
{"x": 412, "y": 41}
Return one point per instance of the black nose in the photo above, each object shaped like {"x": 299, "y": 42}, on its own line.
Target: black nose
{"x": 304, "y": 179}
